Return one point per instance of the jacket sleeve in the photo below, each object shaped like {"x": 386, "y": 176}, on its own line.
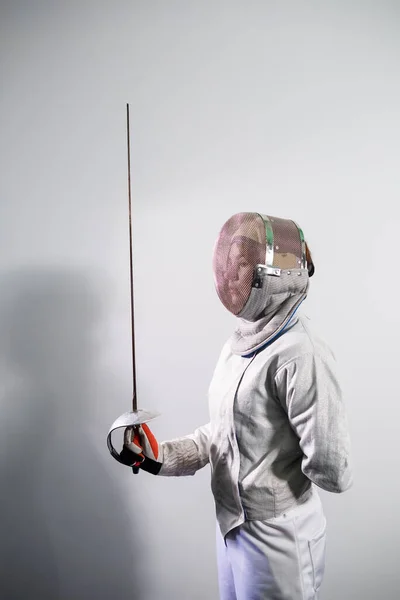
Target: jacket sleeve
{"x": 309, "y": 392}
{"x": 186, "y": 455}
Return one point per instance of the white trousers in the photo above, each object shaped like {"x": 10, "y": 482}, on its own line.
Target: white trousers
{"x": 279, "y": 559}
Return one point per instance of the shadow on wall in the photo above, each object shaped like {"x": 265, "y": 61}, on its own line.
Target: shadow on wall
{"x": 64, "y": 533}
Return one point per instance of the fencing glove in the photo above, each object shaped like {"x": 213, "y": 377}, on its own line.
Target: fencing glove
{"x": 141, "y": 449}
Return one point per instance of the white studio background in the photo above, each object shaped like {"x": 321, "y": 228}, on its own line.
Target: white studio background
{"x": 289, "y": 108}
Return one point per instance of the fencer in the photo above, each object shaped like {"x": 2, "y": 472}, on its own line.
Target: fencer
{"x": 278, "y": 427}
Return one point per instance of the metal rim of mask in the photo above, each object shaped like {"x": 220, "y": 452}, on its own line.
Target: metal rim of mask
{"x": 260, "y": 271}
{"x": 269, "y": 236}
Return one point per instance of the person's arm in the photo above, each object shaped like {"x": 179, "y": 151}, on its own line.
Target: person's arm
{"x": 173, "y": 458}
{"x": 309, "y": 392}
{"x": 186, "y": 455}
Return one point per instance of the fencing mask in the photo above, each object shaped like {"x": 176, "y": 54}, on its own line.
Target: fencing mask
{"x": 260, "y": 267}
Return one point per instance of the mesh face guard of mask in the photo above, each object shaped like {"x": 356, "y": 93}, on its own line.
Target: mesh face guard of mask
{"x": 250, "y": 247}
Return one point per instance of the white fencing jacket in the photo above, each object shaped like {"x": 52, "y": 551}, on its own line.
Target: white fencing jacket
{"x": 277, "y": 425}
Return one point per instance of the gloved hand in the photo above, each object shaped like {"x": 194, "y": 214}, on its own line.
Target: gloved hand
{"x": 142, "y": 448}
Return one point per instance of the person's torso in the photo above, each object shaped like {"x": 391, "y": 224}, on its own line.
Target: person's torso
{"x": 255, "y": 455}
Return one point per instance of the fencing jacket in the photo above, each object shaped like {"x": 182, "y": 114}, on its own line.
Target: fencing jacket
{"x": 277, "y": 426}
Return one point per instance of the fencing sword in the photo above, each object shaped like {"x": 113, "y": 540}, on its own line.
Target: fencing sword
{"x": 136, "y": 416}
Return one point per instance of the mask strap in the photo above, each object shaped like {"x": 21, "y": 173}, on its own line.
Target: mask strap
{"x": 269, "y": 239}
{"x": 303, "y": 247}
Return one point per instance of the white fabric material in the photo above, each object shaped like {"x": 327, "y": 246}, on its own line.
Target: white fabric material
{"x": 277, "y": 423}
{"x": 268, "y": 309}
{"x": 185, "y": 456}
{"x": 282, "y": 558}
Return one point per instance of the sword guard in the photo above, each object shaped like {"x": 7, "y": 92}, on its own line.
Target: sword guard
{"x": 129, "y": 419}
